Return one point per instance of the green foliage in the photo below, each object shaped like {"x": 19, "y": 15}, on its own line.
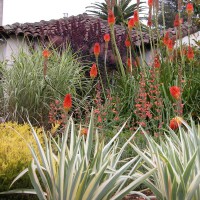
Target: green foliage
{"x": 75, "y": 167}
{"x": 122, "y": 10}
{"x": 177, "y": 161}
{"x": 14, "y": 153}
{"x": 27, "y": 92}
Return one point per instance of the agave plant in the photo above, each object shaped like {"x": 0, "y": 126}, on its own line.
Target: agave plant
{"x": 81, "y": 168}
{"x": 122, "y": 10}
{"x": 177, "y": 159}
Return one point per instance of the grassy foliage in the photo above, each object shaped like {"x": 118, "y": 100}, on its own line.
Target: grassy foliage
{"x": 27, "y": 93}
{"x": 75, "y": 167}
{"x": 176, "y": 159}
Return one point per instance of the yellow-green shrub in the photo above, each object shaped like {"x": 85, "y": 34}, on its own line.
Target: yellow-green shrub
{"x": 14, "y": 153}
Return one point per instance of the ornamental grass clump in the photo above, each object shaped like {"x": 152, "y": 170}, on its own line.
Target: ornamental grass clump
{"x": 81, "y": 166}
{"x": 177, "y": 162}
{"x": 38, "y": 78}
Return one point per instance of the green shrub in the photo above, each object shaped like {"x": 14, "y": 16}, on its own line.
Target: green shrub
{"x": 26, "y": 91}
{"x": 14, "y": 153}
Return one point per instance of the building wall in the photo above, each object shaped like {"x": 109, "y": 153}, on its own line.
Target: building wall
{"x": 195, "y": 36}
{"x": 11, "y": 47}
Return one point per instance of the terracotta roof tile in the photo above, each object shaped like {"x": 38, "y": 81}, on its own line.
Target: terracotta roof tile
{"x": 81, "y": 31}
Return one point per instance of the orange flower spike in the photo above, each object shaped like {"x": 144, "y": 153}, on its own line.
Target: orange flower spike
{"x": 127, "y": 43}
{"x": 149, "y": 22}
{"x": 131, "y": 23}
{"x": 136, "y": 16}
{"x": 189, "y": 8}
{"x": 93, "y": 71}
{"x": 84, "y": 131}
{"x": 166, "y": 38}
{"x": 106, "y": 37}
{"x": 175, "y": 92}
{"x": 170, "y": 45}
{"x": 111, "y": 18}
{"x": 67, "y": 104}
{"x": 175, "y": 123}
{"x": 46, "y": 53}
{"x": 96, "y": 49}
{"x": 190, "y": 53}
{"x": 178, "y": 21}
{"x": 156, "y": 62}
{"x": 150, "y": 3}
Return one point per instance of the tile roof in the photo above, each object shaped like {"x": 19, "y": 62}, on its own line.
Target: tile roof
{"x": 81, "y": 32}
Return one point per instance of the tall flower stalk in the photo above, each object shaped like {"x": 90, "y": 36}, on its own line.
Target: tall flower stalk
{"x": 111, "y": 22}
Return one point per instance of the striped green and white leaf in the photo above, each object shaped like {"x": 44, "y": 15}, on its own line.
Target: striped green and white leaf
{"x": 177, "y": 160}
{"x": 82, "y": 167}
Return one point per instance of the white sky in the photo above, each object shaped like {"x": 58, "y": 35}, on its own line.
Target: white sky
{"x": 36, "y": 10}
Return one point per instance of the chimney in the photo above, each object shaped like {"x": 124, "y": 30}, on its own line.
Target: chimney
{"x": 1, "y": 12}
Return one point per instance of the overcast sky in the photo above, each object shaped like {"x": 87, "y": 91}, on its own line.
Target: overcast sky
{"x": 35, "y": 10}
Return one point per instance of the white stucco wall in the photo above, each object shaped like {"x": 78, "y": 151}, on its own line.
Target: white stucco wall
{"x": 12, "y": 47}
{"x": 195, "y": 36}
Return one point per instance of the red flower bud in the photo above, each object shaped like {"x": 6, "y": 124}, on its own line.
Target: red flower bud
{"x": 189, "y": 8}
{"x": 127, "y": 42}
{"x": 96, "y": 49}
{"x": 150, "y": 3}
{"x": 67, "y": 104}
{"x": 156, "y": 62}
{"x": 190, "y": 53}
{"x": 178, "y": 21}
{"x": 93, "y": 71}
{"x": 106, "y": 37}
{"x": 149, "y": 22}
{"x": 166, "y": 38}
{"x": 46, "y": 53}
{"x": 111, "y": 18}
{"x": 175, "y": 123}
{"x": 136, "y": 16}
{"x": 84, "y": 131}
{"x": 175, "y": 92}
{"x": 170, "y": 45}
{"x": 131, "y": 23}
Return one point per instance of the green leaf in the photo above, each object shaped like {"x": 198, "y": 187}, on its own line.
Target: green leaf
{"x": 35, "y": 182}
{"x": 132, "y": 185}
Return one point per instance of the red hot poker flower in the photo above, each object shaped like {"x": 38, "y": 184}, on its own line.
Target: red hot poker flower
{"x": 106, "y": 37}
{"x": 156, "y": 62}
{"x": 127, "y": 42}
{"x": 175, "y": 123}
{"x": 111, "y": 18}
{"x": 178, "y": 21}
{"x": 189, "y": 8}
{"x": 46, "y": 53}
{"x": 149, "y": 22}
{"x": 67, "y": 104}
{"x": 175, "y": 92}
{"x": 170, "y": 45}
{"x": 96, "y": 49}
{"x": 166, "y": 38}
{"x": 136, "y": 16}
{"x": 131, "y": 23}
{"x": 84, "y": 131}
{"x": 93, "y": 71}
{"x": 150, "y": 3}
{"x": 190, "y": 53}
